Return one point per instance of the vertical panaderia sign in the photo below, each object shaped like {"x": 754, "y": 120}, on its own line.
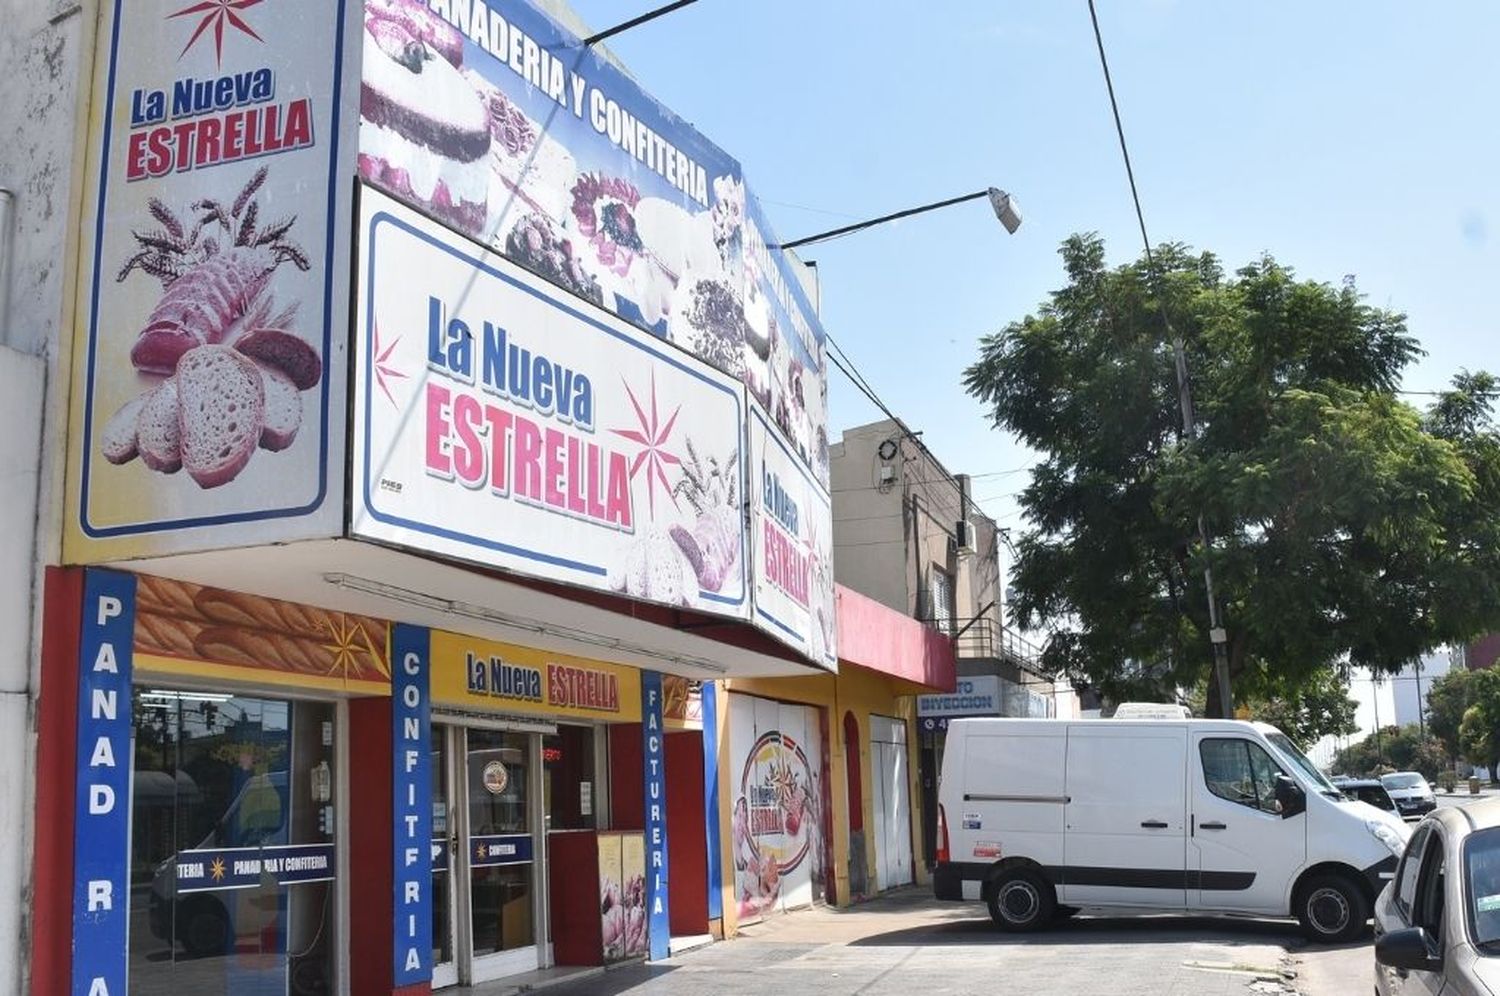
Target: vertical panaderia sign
{"x": 791, "y": 537}
{"x": 411, "y": 796}
{"x": 202, "y": 366}
{"x": 658, "y": 923}
{"x": 101, "y": 837}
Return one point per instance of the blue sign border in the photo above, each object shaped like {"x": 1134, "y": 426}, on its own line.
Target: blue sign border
{"x": 411, "y": 803}
{"x": 101, "y": 829}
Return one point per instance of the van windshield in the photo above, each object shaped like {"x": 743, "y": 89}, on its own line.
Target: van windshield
{"x": 1289, "y": 751}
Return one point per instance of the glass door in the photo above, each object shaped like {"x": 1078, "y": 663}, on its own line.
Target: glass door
{"x": 444, "y": 853}
{"x": 497, "y": 867}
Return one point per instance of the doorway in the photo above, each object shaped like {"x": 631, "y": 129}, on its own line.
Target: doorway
{"x": 487, "y": 848}
{"x": 892, "y": 802}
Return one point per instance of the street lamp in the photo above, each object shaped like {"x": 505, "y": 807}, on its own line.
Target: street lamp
{"x": 1003, "y": 204}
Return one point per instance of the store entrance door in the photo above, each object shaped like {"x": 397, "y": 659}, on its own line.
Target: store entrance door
{"x": 487, "y": 903}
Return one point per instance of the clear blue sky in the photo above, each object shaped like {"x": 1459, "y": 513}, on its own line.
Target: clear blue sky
{"x": 1344, "y": 137}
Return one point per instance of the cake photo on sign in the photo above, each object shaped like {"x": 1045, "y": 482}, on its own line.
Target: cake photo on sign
{"x": 425, "y": 132}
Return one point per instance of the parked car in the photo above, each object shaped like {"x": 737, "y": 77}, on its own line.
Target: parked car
{"x": 1040, "y": 818}
{"x": 1437, "y": 925}
{"x": 1370, "y": 790}
{"x": 1411, "y": 792}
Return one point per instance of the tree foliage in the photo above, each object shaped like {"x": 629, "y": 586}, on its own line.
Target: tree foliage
{"x": 1393, "y": 749}
{"x": 1319, "y": 707}
{"x": 1448, "y": 698}
{"x": 1349, "y": 528}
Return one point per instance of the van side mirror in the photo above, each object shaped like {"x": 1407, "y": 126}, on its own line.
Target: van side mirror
{"x": 1290, "y": 797}
{"x": 1410, "y": 950}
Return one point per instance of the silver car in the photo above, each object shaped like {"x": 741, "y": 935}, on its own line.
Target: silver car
{"x": 1437, "y": 924}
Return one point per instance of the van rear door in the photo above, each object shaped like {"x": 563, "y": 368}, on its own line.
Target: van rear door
{"x": 1125, "y": 841}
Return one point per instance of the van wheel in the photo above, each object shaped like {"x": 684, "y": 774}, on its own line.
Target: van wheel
{"x": 1021, "y": 900}
{"x": 1333, "y": 909}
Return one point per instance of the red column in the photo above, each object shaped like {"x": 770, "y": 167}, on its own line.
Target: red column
{"x": 56, "y": 772}
{"x": 372, "y": 903}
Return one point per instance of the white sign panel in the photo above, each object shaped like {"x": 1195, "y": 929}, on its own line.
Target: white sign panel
{"x": 978, "y": 696}
{"x": 503, "y": 421}
{"x": 792, "y": 542}
{"x": 210, "y": 347}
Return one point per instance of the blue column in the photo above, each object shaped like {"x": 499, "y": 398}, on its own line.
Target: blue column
{"x": 711, "y": 798}
{"x": 411, "y": 803}
{"x": 101, "y": 836}
{"x": 658, "y": 923}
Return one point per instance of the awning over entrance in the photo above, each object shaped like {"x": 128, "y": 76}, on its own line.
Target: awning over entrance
{"x": 880, "y": 639}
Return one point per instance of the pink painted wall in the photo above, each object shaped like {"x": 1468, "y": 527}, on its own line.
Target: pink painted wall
{"x": 881, "y": 639}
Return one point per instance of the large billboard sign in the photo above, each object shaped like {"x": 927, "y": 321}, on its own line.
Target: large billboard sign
{"x": 500, "y": 420}
{"x": 792, "y": 546}
{"x": 208, "y": 306}
{"x": 502, "y": 125}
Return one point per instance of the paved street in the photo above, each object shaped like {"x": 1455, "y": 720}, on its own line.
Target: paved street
{"x": 909, "y": 944}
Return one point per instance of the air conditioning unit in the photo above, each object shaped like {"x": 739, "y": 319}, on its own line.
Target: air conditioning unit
{"x": 963, "y": 532}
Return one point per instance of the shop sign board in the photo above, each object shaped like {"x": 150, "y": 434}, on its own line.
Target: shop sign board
{"x": 411, "y": 795}
{"x": 502, "y": 124}
{"x": 212, "y": 870}
{"x": 211, "y": 309}
{"x": 977, "y": 696}
{"x": 503, "y": 422}
{"x": 101, "y": 853}
{"x": 485, "y": 676}
{"x": 791, "y": 541}
{"x": 654, "y": 734}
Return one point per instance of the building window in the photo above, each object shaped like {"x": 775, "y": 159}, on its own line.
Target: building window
{"x": 940, "y": 593}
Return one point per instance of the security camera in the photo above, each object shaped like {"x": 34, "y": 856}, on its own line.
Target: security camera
{"x": 1005, "y": 209}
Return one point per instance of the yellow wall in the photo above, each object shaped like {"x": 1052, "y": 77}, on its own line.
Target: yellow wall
{"x": 853, "y": 690}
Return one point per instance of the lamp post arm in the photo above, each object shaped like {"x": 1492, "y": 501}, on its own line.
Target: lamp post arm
{"x": 857, "y": 226}
{"x": 650, "y": 15}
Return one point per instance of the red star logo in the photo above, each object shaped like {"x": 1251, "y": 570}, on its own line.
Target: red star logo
{"x": 652, "y": 437}
{"x": 215, "y": 14}
{"x": 383, "y": 368}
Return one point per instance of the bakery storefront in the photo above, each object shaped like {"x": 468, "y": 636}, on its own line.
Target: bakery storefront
{"x": 442, "y": 429}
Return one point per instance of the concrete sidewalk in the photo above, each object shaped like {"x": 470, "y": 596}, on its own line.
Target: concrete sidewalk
{"x": 908, "y": 943}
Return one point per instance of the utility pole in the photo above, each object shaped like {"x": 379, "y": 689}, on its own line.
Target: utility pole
{"x": 1421, "y": 709}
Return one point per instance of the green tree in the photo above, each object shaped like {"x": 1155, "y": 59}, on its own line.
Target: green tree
{"x": 1319, "y": 707}
{"x": 1448, "y": 698}
{"x": 1350, "y": 530}
{"x": 1393, "y": 749}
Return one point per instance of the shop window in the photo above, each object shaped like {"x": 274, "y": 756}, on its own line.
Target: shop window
{"x": 571, "y": 791}
{"x": 228, "y": 790}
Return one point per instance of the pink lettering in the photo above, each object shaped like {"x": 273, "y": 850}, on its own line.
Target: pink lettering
{"x": 438, "y": 461}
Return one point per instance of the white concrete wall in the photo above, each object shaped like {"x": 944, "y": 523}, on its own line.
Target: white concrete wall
{"x": 1409, "y": 704}
{"x": 45, "y": 47}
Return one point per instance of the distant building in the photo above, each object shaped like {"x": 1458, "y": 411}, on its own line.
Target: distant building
{"x": 1376, "y": 700}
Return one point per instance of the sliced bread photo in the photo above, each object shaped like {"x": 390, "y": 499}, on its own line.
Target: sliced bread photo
{"x": 118, "y": 440}
{"x": 222, "y": 406}
{"x": 283, "y": 409}
{"x": 158, "y": 430}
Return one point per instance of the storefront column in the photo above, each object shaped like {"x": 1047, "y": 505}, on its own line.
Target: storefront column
{"x": 371, "y": 909}
{"x": 56, "y": 757}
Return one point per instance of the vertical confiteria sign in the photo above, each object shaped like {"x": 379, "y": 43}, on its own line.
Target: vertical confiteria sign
{"x": 658, "y": 924}
{"x": 411, "y": 798}
{"x": 101, "y": 836}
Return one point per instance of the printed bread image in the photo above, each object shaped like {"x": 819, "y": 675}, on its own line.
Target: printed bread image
{"x": 231, "y": 365}
{"x": 158, "y": 430}
{"x": 185, "y": 621}
{"x": 222, "y": 410}
{"x": 283, "y": 409}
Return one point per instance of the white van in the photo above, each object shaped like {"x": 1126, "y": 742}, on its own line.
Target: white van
{"x": 1042, "y": 818}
